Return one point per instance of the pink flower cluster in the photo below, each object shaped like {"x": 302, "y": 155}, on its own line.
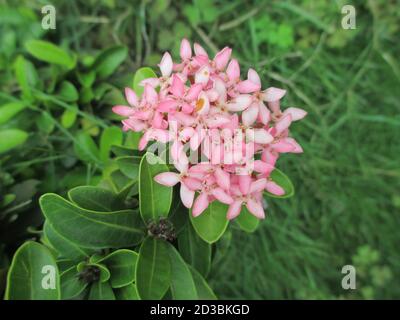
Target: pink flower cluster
{"x": 203, "y": 105}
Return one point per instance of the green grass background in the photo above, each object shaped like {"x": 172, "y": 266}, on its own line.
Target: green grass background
{"x": 346, "y": 209}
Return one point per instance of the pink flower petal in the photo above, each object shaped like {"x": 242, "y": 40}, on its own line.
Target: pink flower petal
{"x": 221, "y": 58}
{"x": 200, "y": 204}
{"x": 240, "y": 103}
{"x": 260, "y": 136}
{"x": 194, "y": 92}
{"x": 131, "y": 97}
{"x": 123, "y": 111}
{"x": 253, "y": 76}
{"x": 167, "y": 105}
{"x": 283, "y": 124}
{"x": 202, "y": 104}
{"x": 273, "y": 94}
{"x": 185, "y": 50}
{"x": 192, "y": 184}
{"x": 244, "y": 183}
{"x": 177, "y": 88}
{"x": 255, "y": 208}
{"x": 249, "y": 116}
{"x": 202, "y": 75}
{"x": 187, "y": 196}
{"x": 150, "y": 94}
{"x": 233, "y": 70}
{"x": 296, "y": 147}
{"x": 247, "y": 86}
{"x": 263, "y": 113}
{"x": 275, "y": 189}
{"x": 199, "y": 50}
{"x": 258, "y": 185}
{"x": 234, "y": 209}
{"x": 296, "y": 113}
{"x": 168, "y": 179}
{"x": 223, "y": 178}
{"x": 166, "y": 65}
{"x": 222, "y": 196}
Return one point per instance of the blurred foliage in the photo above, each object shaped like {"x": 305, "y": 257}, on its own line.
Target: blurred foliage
{"x": 346, "y": 210}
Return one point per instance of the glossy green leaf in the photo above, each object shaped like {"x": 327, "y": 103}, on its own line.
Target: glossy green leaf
{"x": 64, "y": 247}
{"x": 33, "y": 274}
{"x": 109, "y": 60}
{"x": 95, "y": 198}
{"x": 68, "y": 92}
{"x": 204, "y": 292}
{"x": 129, "y": 166}
{"x": 121, "y": 151}
{"x": 282, "y": 180}
{"x": 71, "y": 285}
{"x": 48, "y": 52}
{"x": 91, "y": 229}
{"x": 128, "y": 292}
{"x": 195, "y": 250}
{"x": 11, "y": 138}
{"x": 122, "y": 265}
{"x": 10, "y": 110}
{"x": 86, "y": 149}
{"x": 140, "y": 75}
{"x": 182, "y": 284}
{"x": 154, "y": 198}
{"x": 153, "y": 269}
{"x": 101, "y": 291}
{"x": 110, "y": 136}
{"x": 247, "y": 221}
{"x": 212, "y": 223}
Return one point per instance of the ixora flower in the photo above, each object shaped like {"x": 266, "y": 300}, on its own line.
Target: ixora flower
{"x": 237, "y": 129}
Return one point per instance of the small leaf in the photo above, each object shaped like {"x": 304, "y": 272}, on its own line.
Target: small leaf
{"x": 182, "y": 284}
{"x": 111, "y": 136}
{"x": 86, "y": 79}
{"x": 247, "y": 221}
{"x": 68, "y": 118}
{"x": 27, "y": 274}
{"x": 153, "y": 270}
{"x": 109, "y": 60}
{"x": 11, "y": 138}
{"x": 10, "y": 110}
{"x": 86, "y": 149}
{"x": 212, "y": 223}
{"x": 95, "y": 199}
{"x": 45, "y": 122}
{"x": 282, "y": 180}
{"x": 102, "y": 230}
{"x": 122, "y": 264}
{"x": 26, "y": 76}
{"x": 194, "y": 250}
{"x": 154, "y": 198}
{"x": 140, "y": 75}
{"x": 68, "y": 92}
{"x": 128, "y": 292}
{"x": 101, "y": 291}
{"x": 71, "y": 285}
{"x": 48, "y": 52}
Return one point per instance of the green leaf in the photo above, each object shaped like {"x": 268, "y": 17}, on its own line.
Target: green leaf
{"x": 153, "y": 269}
{"x": 122, "y": 265}
{"x": 109, "y": 60}
{"x": 111, "y": 136}
{"x": 282, "y": 180}
{"x": 11, "y": 109}
{"x": 86, "y": 79}
{"x": 11, "y": 138}
{"x": 28, "y": 274}
{"x": 68, "y": 92}
{"x": 154, "y": 198}
{"x": 101, "y": 229}
{"x": 128, "y": 292}
{"x": 68, "y": 118}
{"x": 95, "y": 199}
{"x": 121, "y": 151}
{"x": 101, "y": 291}
{"x": 182, "y": 284}
{"x": 129, "y": 166}
{"x": 247, "y": 221}
{"x": 204, "y": 292}
{"x": 65, "y": 248}
{"x": 45, "y": 122}
{"x": 86, "y": 149}
{"x": 212, "y": 223}
{"x": 26, "y": 75}
{"x": 194, "y": 250}
{"x": 140, "y": 75}
{"x": 104, "y": 272}
{"x": 71, "y": 285}
{"x": 48, "y": 52}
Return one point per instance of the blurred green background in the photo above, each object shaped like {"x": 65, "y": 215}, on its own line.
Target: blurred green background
{"x": 347, "y": 204}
